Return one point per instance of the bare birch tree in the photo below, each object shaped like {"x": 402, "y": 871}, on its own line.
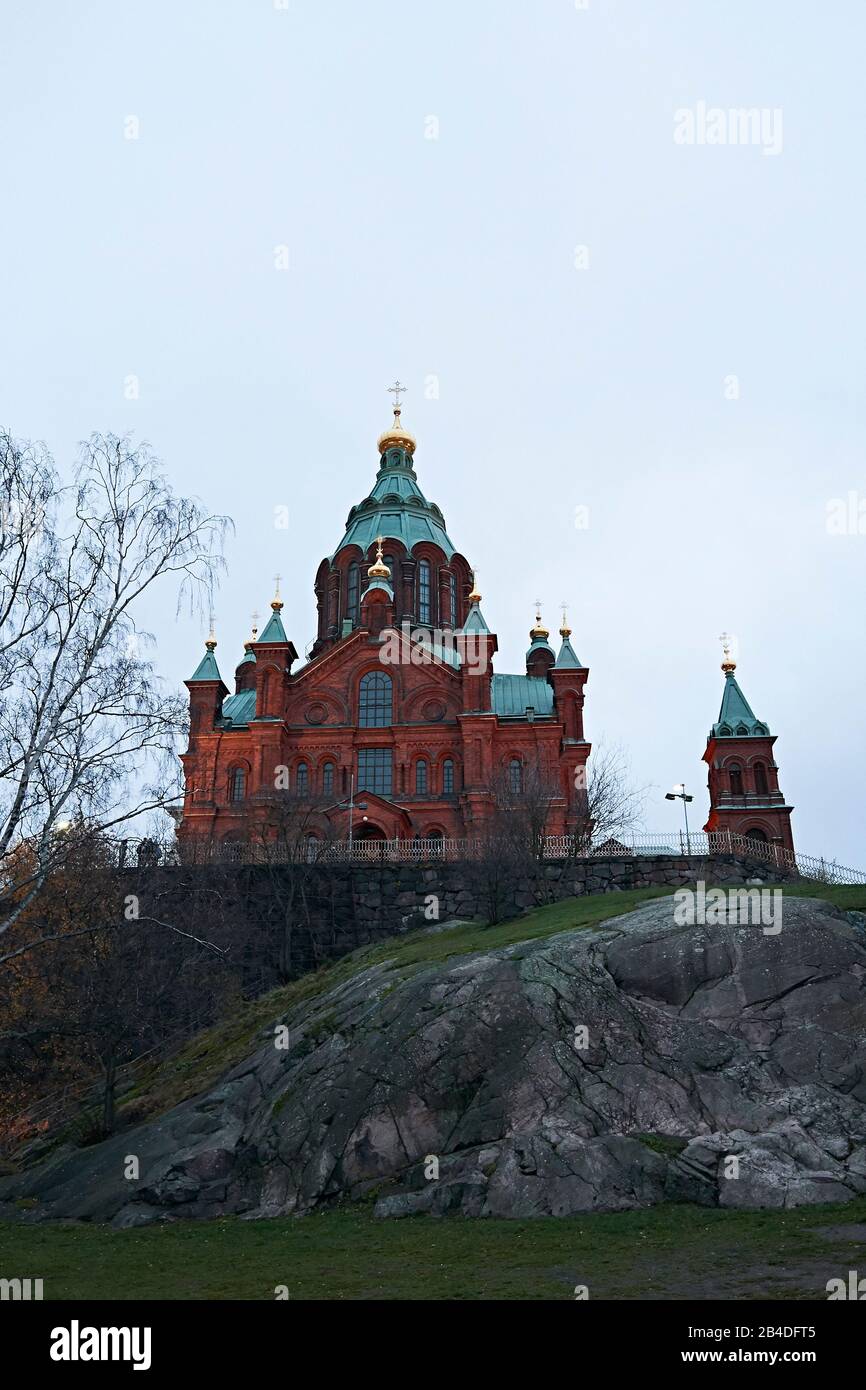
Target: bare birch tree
{"x": 88, "y": 736}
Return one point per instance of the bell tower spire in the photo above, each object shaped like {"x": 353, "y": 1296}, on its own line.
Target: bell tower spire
{"x": 743, "y": 779}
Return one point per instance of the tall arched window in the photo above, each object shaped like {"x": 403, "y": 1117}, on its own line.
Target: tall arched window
{"x": 421, "y": 778}
{"x": 237, "y": 784}
{"x": 424, "y": 612}
{"x": 353, "y": 609}
{"x": 302, "y": 779}
{"x": 328, "y": 779}
{"x": 374, "y": 700}
{"x": 448, "y": 777}
{"x": 515, "y": 775}
{"x": 452, "y": 598}
{"x": 736, "y": 776}
{"x": 761, "y": 786}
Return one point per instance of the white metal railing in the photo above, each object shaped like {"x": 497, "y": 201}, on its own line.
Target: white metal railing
{"x": 368, "y": 851}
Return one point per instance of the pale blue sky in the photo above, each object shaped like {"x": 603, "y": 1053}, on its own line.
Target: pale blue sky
{"x": 559, "y": 387}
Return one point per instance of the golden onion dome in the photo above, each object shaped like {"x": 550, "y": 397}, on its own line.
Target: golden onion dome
{"x": 539, "y": 631}
{"x": 378, "y": 570}
{"x": 729, "y": 665}
{"x": 396, "y": 435}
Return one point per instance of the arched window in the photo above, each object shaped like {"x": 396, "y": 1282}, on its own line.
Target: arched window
{"x": 237, "y": 784}
{"x": 448, "y": 777}
{"x": 328, "y": 779}
{"x": 736, "y": 776}
{"x": 424, "y": 592}
{"x": 353, "y": 610}
{"x": 756, "y": 833}
{"x": 761, "y": 786}
{"x": 515, "y": 775}
{"x": 452, "y": 598}
{"x": 302, "y": 779}
{"x": 421, "y": 778}
{"x": 374, "y": 701}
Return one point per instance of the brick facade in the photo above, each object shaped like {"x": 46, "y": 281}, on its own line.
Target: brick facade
{"x": 399, "y": 692}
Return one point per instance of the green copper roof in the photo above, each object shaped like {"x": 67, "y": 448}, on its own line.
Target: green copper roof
{"x": 274, "y": 630}
{"x": 249, "y": 655}
{"x": 539, "y": 644}
{"x": 475, "y": 621}
{"x": 207, "y": 669}
{"x": 382, "y": 584}
{"x": 512, "y": 695}
{"x": 736, "y": 719}
{"x": 396, "y": 509}
{"x": 568, "y": 659}
{"x": 238, "y": 710}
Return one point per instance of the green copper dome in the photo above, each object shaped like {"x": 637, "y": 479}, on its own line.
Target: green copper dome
{"x": 396, "y": 509}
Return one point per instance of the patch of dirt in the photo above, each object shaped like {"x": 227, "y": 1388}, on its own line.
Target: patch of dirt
{"x": 853, "y": 1233}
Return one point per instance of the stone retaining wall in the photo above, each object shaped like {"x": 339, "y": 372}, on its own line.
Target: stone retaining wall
{"x": 353, "y": 905}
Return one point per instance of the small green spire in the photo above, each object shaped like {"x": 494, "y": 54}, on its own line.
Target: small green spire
{"x": 475, "y": 620}
{"x": 207, "y": 669}
{"x": 736, "y": 717}
{"x": 274, "y": 630}
{"x": 568, "y": 658}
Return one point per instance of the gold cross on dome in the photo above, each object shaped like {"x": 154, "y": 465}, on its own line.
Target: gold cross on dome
{"x": 397, "y": 390}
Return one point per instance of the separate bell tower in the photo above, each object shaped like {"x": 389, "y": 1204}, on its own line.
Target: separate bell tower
{"x": 743, "y": 776}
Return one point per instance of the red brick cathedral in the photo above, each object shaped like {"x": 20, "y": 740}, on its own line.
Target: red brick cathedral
{"x": 398, "y": 717}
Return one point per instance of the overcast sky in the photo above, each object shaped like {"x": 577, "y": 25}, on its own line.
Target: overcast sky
{"x": 693, "y": 376}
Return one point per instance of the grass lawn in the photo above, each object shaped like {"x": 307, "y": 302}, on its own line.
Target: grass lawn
{"x": 663, "y": 1253}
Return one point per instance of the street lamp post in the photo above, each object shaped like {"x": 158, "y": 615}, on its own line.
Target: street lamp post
{"x": 679, "y": 794}
{"x": 352, "y": 803}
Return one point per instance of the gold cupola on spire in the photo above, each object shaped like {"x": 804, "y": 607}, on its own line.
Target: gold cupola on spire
{"x": 378, "y": 570}
{"x": 729, "y": 665}
{"x": 397, "y": 435}
{"x": 539, "y": 632}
